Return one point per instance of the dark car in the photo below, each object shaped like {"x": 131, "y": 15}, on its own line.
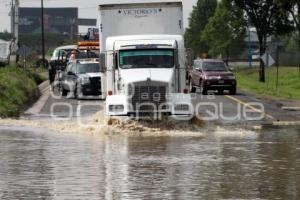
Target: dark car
{"x": 211, "y": 74}
{"x": 82, "y": 78}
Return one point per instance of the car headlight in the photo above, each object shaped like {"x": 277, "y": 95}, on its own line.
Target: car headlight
{"x": 231, "y": 77}
{"x": 84, "y": 80}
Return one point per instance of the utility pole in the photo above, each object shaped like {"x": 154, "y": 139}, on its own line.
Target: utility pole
{"x": 15, "y": 19}
{"x": 14, "y": 14}
{"x": 277, "y": 63}
{"x": 16, "y": 22}
{"x": 12, "y": 17}
{"x": 43, "y": 34}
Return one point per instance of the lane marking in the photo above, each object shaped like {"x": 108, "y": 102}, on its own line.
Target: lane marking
{"x": 249, "y": 106}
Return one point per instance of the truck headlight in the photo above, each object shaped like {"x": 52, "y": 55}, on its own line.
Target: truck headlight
{"x": 84, "y": 81}
{"x": 116, "y": 108}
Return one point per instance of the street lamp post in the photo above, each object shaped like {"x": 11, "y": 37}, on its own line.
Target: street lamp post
{"x": 249, "y": 47}
{"x": 43, "y": 34}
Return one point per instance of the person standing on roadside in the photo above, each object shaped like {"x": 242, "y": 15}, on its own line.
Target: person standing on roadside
{"x": 73, "y": 56}
{"x": 52, "y": 72}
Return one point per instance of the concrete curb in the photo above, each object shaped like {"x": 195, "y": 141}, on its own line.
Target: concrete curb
{"x": 37, "y": 107}
{"x": 44, "y": 86}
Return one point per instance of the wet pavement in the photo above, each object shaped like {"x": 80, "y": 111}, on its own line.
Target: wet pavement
{"x": 218, "y": 163}
{"x": 35, "y": 164}
{"x": 219, "y": 109}
{"x": 57, "y": 106}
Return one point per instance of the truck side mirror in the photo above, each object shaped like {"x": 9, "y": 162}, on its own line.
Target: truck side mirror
{"x": 102, "y": 62}
{"x": 71, "y": 73}
{"x": 115, "y": 65}
{"x": 189, "y": 57}
{"x": 177, "y": 65}
{"x": 231, "y": 69}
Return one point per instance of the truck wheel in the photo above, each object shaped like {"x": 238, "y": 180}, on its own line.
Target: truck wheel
{"x": 232, "y": 91}
{"x": 63, "y": 92}
{"x": 192, "y": 88}
{"x": 76, "y": 92}
{"x": 203, "y": 89}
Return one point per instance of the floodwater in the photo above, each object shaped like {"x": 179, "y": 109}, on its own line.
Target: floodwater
{"x": 41, "y": 165}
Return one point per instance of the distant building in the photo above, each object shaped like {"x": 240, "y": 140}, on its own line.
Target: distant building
{"x": 56, "y": 20}
{"x": 252, "y": 43}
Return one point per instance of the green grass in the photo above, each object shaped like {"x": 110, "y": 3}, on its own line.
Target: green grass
{"x": 18, "y": 88}
{"x": 288, "y": 88}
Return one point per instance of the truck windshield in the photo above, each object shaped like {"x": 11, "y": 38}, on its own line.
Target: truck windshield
{"x": 88, "y": 68}
{"x": 146, "y": 58}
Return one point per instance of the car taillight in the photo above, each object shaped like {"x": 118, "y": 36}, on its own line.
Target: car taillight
{"x": 185, "y": 91}
{"x": 110, "y": 93}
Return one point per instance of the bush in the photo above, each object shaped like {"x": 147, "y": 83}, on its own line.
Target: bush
{"x": 18, "y": 89}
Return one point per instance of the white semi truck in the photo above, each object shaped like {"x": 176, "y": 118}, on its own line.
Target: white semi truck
{"x": 145, "y": 59}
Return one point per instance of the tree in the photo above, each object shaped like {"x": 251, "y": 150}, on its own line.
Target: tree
{"x": 292, "y": 7}
{"x": 6, "y": 36}
{"x": 197, "y": 22}
{"x": 266, "y": 17}
{"x": 225, "y": 31}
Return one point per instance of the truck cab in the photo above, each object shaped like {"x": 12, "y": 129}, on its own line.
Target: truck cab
{"x": 146, "y": 74}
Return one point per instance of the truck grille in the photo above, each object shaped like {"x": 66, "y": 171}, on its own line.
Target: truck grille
{"x": 148, "y": 98}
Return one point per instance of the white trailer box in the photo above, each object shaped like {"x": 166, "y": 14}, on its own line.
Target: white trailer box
{"x": 4, "y": 52}
{"x": 140, "y": 17}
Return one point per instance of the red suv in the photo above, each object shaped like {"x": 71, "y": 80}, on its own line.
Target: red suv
{"x": 211, "y": 74}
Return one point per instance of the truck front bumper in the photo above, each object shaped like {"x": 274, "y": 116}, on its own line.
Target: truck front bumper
{"x": 177, "y": 105}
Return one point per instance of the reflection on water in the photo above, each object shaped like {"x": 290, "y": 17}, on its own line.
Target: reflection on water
{"x": 35, "y": 165}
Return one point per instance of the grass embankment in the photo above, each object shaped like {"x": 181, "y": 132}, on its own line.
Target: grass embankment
{"x": 18, "y": 89}
{"x": 288, "y": 87}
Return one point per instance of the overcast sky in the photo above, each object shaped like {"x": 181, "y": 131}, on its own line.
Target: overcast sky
{"x": 87, "y": 8}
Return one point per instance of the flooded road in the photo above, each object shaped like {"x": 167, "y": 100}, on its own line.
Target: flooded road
{"x": 218, "y": 165}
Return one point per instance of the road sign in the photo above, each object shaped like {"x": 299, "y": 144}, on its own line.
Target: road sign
{"x": 268, "y": 60}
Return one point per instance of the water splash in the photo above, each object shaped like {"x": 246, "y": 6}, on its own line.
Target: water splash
{"x": 99, "y": 124}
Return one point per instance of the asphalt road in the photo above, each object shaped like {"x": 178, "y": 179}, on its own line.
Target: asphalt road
{"x": 68, "y": 107}
{"x": 243, "y": 108}
{"x": 221, "y": 109}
